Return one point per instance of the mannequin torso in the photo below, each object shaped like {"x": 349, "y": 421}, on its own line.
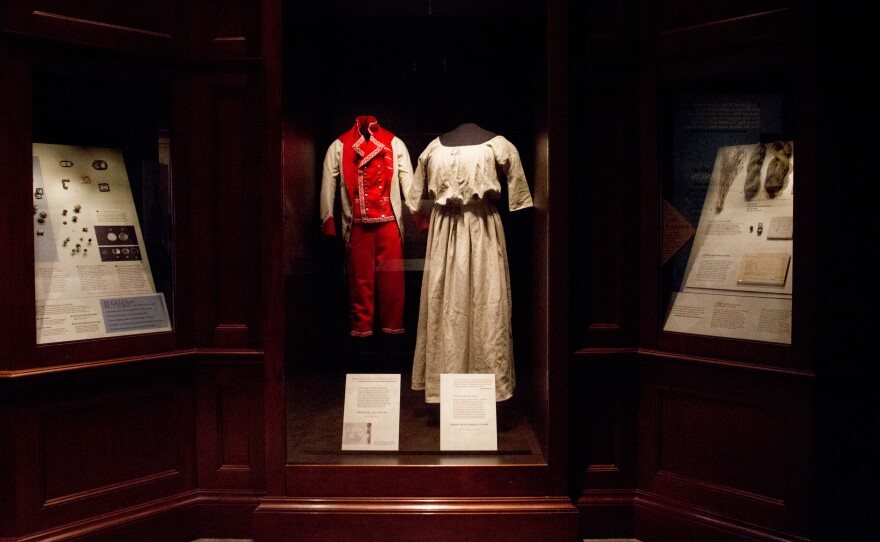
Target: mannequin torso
{"x": 466, "y": 134}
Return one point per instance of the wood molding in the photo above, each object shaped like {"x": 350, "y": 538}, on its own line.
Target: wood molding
{"x": 77, "y": 27}
{"x": 646, "y": 516}
{"x": 513, "y": 519}
{"x": 176, "y": 516}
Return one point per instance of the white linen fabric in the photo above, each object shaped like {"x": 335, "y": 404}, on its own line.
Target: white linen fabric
{"x": 465, "y": 306}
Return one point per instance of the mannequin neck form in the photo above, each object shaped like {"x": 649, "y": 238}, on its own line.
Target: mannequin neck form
{"x": 466, "y": 134}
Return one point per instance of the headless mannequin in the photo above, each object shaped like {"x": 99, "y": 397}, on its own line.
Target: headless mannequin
{"x": 466, "y": 134}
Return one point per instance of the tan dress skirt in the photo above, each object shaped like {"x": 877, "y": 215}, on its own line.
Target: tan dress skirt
{"x": 465, "y": 305}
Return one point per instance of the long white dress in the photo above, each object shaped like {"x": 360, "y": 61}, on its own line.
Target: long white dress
{"x": 465, "y": 306}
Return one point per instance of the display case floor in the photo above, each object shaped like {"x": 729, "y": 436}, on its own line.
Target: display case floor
{"x": 314, "y": 421}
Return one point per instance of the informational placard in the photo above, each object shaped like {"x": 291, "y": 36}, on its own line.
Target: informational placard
{"x": 731, "y": 316}
{"x": 91, "y": 272}
{"x": 371, "y": 413}
{"x": 467, "y": 412}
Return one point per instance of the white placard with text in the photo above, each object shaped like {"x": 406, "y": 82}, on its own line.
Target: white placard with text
{"x": 371, "y": 416}
{"x": 467, "y": 412}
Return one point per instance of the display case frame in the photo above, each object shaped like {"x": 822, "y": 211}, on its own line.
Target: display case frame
{"x": 451, "y": 493}
{"x": 778, "y": 73}
{"x": 50, "y": 79}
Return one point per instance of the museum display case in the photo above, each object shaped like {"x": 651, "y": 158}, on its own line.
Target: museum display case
{"x": 272, "y": 357}
{"x": 105, "y": 413}
{"x": 103, "y": 238}
{"x": 361, "y": 432}
{"x": 731, "y": 200}
{"x": 99, "y": 131}
{"x": 422, "y": 91}
{"x": 726, "y": 168}
{"x": 692, "y": 416}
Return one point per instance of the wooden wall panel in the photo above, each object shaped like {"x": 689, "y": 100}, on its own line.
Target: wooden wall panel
{"x": 605, "y": 186}
{"x": 236, "y": 192}
{"x": 88, "y": 443}
{"x": 500, "y": 519}
{"x": 148, "y": 28}
{"x": 603, "y": 443}
{"x": 678, "y": 26}
{"x": 225, "y": 28}
{"x": 16, "y": 229}
{"x": 604, "y": 209}
{"x": 229, "y": 416}
{"x": 604, "y": 438}
{"x": 119, "y": 441}
{"x": 219, "y": 210}
{"x": 734, "y": 443}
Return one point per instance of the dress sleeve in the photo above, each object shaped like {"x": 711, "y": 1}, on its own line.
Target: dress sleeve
{"x": 329, "y": 183}
{"x": 518, "y": 195}
{"x": 404, "y": 168}
{"x": 415, "y": 199}
{"x": 420, "y": 177}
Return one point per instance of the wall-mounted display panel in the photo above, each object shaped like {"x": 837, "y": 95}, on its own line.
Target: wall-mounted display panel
{"x": 102, "y": 200}
{"x": 728, "y": 218}
{"x": 91, "y": 269}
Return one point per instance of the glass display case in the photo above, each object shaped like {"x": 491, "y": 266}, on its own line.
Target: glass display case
{"x": 102, "y": 200}
{"x": 461, "y": 150}
{"x": 728, "y": 218}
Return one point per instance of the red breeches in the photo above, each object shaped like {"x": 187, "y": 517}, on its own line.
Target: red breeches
{"x": 375, "y": 277}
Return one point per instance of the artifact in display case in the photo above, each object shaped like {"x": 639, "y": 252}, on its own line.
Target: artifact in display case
{"x": 464, "y": 323}
{"x": 91, "y": 271}
{"x": 371, "y": 168}
{"x": 738, "y": 279}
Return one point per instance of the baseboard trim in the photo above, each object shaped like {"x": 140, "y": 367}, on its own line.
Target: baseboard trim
{"x": 646, "y": 516}
{"x": 147, "y": 521}
{"x": 508, "y": 519}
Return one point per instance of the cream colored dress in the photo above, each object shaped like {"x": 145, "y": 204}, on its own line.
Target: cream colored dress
{"x": 465, "y": 307}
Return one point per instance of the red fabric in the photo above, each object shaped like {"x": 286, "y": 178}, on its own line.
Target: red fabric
{"x": 368, "y": 168}
{"x": 375, "y": 272}
{"x": 422, "y": 222}
{"x": 329, "y": 227}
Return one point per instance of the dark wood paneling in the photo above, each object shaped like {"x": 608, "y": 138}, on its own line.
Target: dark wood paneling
{"x": 92, "y": 442}
{"x": 119, "y": 441}
{"x": 603, "y": 439}
{"x": 219, "y": 210}
{"x": 731, "y": 442}
{"x": 701, "y": 27}
{"x": 229, "y": 412}
{"x": 414, "y": 480}
{"x": 605, "y": 176}
{"x": 723, "y": 450}
{"x": 604, "y": 202}
{"x": 435, "y": 520}
{"x": 603, "y": 443}
{"x": 16, "y": 223}
{"x": 225, "y": 29}
{"x": 147, "y": 28}
{"x": 235, "y": 192}
{"x": 655, "y": 519}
